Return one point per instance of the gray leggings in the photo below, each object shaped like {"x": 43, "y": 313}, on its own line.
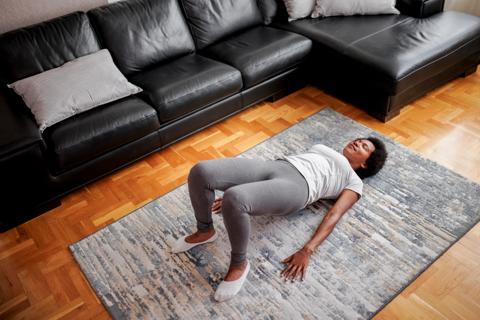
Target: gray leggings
{"x": 251, "y": 187}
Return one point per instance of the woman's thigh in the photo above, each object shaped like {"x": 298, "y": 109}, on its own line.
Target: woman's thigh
{"x": 277, "y": 196}
{"x": 224, "y": 173}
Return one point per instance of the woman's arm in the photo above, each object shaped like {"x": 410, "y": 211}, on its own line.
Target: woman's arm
{"x": 344, "y": 202}
{"x": 297, "y": 263}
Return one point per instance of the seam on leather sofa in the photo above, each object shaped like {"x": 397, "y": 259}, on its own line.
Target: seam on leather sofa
{"x": 207, "y": 86}
{"x": 275, "y": 57}
{"x": 381, "y": 30}
{"x": 187, "y": 18}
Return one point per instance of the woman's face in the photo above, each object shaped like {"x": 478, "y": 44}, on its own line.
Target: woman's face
{"x": 357, "y": 152}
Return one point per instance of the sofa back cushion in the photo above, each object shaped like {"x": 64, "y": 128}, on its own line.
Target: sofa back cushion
{"x": 141, "y": 33}
{"x": 211, "y": 20}
{"x": 41, "y": 47}
{"x": 272, "y": 10}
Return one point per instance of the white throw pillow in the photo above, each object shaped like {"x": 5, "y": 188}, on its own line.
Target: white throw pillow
{"x": 77, "y": 86}
{"x": 298, "y": 9}
{"x": 327, "y": 8}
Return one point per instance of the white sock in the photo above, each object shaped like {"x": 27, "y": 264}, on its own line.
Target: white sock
{"x": 180, "y": 245}
{"x": 227, "y": 289}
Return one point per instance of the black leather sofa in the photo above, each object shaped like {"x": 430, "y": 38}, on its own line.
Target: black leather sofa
{"x": 198, "y": 62}
{"x": 381, "y": 63}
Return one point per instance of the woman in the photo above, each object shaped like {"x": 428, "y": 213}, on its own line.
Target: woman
{"x": 256, "y": 187}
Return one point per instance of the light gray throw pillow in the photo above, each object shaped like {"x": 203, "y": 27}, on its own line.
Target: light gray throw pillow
{"x": 298, "y": 9}
{"x": 327, "y": 8}
{"x": 77, "y": 86}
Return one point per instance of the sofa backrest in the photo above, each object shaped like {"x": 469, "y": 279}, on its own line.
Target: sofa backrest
{"x": 211, "y": 20}
{"x": 273, "y": 10}
{"x": 141, "y": 33}
{"x": 41, "y": 47}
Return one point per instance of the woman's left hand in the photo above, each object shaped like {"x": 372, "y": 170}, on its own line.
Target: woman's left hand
{"x": 297, "y": 265}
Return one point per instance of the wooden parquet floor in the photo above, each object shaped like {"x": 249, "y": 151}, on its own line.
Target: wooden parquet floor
{"x": 39, "y": 278}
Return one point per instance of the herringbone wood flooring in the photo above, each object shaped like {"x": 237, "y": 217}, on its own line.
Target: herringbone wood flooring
{"x": 40, "y": 280}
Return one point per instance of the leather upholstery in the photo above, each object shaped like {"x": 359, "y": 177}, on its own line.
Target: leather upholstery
{"x": 24, "y": 185}
{"x": 187, "y": 84}
{"x": 420, "y": 8}
{"x": 276, "y": 87}
{"x": 106, "y": 163}
{"x": 35, "y": 49}
{"x": 272, "y": 10}
{"x": 212, "y": 20}
{"x": 97, "y": 131}
{"x": 339, "y": 33}
{"x": 140, "y": 34}
{"x": 391, "y": 53}
{"x": 18, "y": 128}
{"x": 261, "y": 53}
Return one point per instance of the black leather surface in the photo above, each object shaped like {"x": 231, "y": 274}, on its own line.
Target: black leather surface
{"x": 411, "y": 51}
{"x": 339, "y": 33}
{"x": 205, "y": 117}
{"x": 32, "y": 50}
{"x": 282, "y": 84}
{"x": 261, "y": 52}
{"x": 391, "y": 52}
{"x": 272, "y": 10}
{"x": 18, "y": 128}
{"x": 141, "y": 33}
{"x": 420, "y": 8}
{"x": 97, "y": 131}
{"x": 106, "y": 163}
{"x": 24, "y": 184}
{"x": 212, "y": 20}
{"x": 187, "y": 84}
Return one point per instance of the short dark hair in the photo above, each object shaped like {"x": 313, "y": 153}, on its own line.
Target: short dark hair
{"x": 376, "y": 160}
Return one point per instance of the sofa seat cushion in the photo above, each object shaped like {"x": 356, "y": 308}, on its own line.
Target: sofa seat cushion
{"x": 261, "y": 53}
{"x": 95, "y": 132}
{"x": 187, "y": 84}
{"x": 392, "y": 53}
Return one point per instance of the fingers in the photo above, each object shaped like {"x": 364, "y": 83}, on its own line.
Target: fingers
{"x": 217, "y": 205}
{"x": 292, "y": 271}
{"x": 287, "y": 260}
{"x": 286, "y": 271}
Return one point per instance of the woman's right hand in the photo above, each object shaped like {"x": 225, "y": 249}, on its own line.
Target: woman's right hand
{"x": 217, "y": 206}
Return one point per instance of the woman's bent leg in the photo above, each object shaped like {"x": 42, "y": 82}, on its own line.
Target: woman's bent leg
{"x": 220, "y": 174}
{"x": 277, "y": 196}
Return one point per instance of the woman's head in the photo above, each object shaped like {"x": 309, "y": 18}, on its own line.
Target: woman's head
{"x": 366, "y": 156}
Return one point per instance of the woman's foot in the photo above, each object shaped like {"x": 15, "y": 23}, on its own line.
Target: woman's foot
{"x": 227, "y": 289}
{"x": 182, "y": 245}
{"x": 200, "y": 236}
{"x": 235, "y": 271}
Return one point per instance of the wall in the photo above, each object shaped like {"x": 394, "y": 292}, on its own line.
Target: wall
{"x": 20, "y": 13}
{"x": 469, "y": 6}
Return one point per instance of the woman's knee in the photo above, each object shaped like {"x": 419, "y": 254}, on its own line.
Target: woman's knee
{"x": 200, "y": 171}
{"x": 234, "y": 201}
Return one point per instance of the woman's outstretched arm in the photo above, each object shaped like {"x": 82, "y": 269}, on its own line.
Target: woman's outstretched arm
{"x": 298, "y": 262}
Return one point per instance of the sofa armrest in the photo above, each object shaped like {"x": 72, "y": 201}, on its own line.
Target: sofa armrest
{"x": 18, "y": 129}
{"x": 25, "y": 183}
{"x": 420, "y": 8}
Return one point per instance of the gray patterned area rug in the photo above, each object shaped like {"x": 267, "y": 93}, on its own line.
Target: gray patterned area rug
{"x": 411, "y": 212}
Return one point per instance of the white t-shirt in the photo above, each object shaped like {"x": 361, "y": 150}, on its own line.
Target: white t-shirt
{"x": 327, "y": 173}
